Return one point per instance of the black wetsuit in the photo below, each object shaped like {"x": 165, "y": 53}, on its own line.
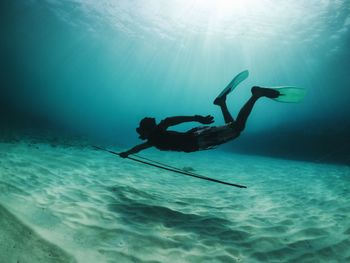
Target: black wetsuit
{"x": 173, "y": 140}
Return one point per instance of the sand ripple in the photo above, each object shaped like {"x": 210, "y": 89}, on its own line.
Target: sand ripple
{"x": 100, "y": 208}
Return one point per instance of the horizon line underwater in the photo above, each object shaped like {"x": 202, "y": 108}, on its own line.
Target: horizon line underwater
{"x": 236, "y": 165}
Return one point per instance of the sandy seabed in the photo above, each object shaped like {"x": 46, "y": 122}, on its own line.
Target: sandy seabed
{"x": 71, "y": 204}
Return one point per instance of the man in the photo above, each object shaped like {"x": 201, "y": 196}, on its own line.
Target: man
{"x": 198, "y": 138}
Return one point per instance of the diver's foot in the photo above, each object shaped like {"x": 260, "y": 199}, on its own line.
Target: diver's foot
{"x": 220, "y": 100}
{"x": 264, "y": 92}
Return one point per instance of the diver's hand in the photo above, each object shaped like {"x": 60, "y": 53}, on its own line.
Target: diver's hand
{"x": 123, "y": 154}
{"x": 205, "y": 119}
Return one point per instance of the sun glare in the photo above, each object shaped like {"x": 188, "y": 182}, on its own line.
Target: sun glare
{"x": 230, "y": 8}
{"x": 256, "y": 19}
{"x": 230, "y": 17}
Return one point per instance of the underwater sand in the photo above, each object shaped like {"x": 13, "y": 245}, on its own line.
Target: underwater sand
{"x": 91, "y": 206}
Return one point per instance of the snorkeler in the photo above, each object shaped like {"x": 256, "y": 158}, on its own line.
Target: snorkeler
{"x": 202, "y": 137}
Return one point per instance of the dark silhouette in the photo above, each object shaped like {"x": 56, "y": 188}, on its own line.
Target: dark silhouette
{"x": 198, "y": 138}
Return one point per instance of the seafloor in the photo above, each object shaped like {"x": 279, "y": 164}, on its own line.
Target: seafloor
{"x": 67, "y": 204}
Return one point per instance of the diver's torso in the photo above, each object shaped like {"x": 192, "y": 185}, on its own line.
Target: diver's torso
{"x": 173, "y": 141}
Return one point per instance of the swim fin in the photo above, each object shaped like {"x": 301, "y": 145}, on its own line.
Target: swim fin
{"x": 289, "y": 94}
{"x": 232, "y": 85}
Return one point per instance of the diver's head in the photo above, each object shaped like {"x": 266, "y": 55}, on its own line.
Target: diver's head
{"x": 147, "y": 125}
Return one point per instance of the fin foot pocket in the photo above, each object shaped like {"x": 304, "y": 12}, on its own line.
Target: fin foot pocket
{"x": 231, "y": 86}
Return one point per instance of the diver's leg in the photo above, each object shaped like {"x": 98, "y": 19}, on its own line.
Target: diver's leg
{"x": 257, "y": 92}
{"x": 227, "y": 115}
{"x": 221, "y": 102}
{"x": 245, "y": 112}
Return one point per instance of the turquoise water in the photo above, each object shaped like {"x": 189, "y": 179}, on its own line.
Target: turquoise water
{"x": 77, "y": 73}
{"x": 100, "y": 208}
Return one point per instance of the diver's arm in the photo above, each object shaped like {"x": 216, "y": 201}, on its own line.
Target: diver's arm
{"x": 135, "y": 149}
{"x": 171, "y": 121}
